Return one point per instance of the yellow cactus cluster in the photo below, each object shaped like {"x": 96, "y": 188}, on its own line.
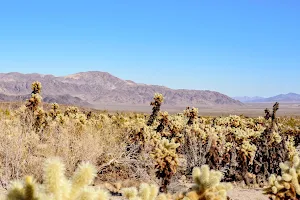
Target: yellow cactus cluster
{"x": 192, "y": 114}
{"x": 287, "y": 185}
{"x": 166, "y": 161}
{"x": 54, "y": 111}
{"x": 71, "y": 111}
{"x": 145, "y": 192}
{"x": 158, "y": 98}
{"x": 290, "y": 146}
{"x": 34, "y": 102}
{"x": 275, "y": 137}
{"x": 176, "y": 130}
{"x": 248, "y": 150}
{"x": 36, "y": 87}
{"x": 208, "y": 185}
{"x": 57, "y": 187}
{"x": 35, "y": 98}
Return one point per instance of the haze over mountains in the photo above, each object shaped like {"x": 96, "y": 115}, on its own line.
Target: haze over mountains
{"x": 98, "y": 88}
{"x": 281, "y": 98}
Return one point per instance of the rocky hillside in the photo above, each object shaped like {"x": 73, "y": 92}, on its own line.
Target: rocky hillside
{"x": 97, "y": 88}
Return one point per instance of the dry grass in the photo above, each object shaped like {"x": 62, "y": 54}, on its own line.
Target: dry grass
{"x": 22, "y": 150}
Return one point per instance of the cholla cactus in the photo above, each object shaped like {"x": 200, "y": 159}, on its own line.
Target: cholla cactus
{"x": 290, "y": 147}
{"x": 57, "y": 186}
{"x": 192, "y": 114}
{"x": 89, "y": 115}
{"x": 35, "y": 100}
{"x": 81, "y": 119}
{"x": 272, "y": 116}
{"x": 40, "y": 120}
{"x": 33, "y": 105}
{"x": 145, "y": 192}
{"x": 248, "y": 150}
{"x": 54, "y": 111}
{"x": 24, "y": 190}
{"x": 286, "y": 186}
{"x": 61, "y": 119}
{"x": 71, "y": 111}
{"x": 158, "y": 100}
{"x": 36, "y": 87}
{"x": 163, "y": 121}
{"x": 275, "y": 137}
{"x": 176, "y": 130}
{"x": 208, "y": 185}
{"x": 166, "y": 161}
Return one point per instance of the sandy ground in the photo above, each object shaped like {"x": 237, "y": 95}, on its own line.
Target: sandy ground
{"x": 235, "y": 194}
{"x": 249, "y": 109}
{"x": 247, "y": 194}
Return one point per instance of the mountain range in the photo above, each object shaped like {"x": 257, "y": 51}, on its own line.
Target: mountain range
{"x": 101, "y": 88}
{"x": 281, "y": 98}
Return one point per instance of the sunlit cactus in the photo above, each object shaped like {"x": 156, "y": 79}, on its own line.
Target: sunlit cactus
{"x": 208, "y": 185}
{"x": 83, "y": 176}
{"x": 54, "y": 110}
{"x": 248, "y": 150}
{"x": 36, "y": 87}
{"x": 176, "y": 130}
{"x": 158, "y": 100}
{"x": 145, "y": 192}
{"x": 191, "y": 114}
{"x": 291, "y": 148}
{"x": 166, "y": 161}
{"x": 163, "y": 121}
{"x": 71, "y": 111}
{"x": 33, "y": 105}
{"x": 61, "y": 119}
{"x": 34, "y": 101}
{"x": 24, "y": 190}
{"x": 286, "y": 186}
{"x": 57, "y": 187}
{"x": 40, "y": 121}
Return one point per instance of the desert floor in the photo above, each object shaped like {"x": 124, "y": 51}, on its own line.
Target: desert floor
{"x": 248, "y": 109}
{"x": 235, "y": 194}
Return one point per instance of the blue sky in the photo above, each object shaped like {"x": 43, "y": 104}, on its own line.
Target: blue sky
{"x": 241, "y": 47}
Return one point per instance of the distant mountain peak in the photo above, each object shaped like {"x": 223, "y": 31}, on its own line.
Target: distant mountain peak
{"x": 96, "y": 88}
{"x": 284, "y": 98}
{"x": 89, "y": 73}
{"x": 247, "y": 99}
